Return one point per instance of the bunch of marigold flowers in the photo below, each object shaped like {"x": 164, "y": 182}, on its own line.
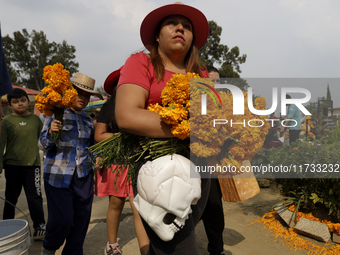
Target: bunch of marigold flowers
{"x": 175, "y": 106}
{"x": 59, "y": 92}
{"x": 57, "y": 95}
{"x": 226, "y": 144}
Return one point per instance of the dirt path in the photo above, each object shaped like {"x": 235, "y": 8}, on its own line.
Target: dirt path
{"x": 240, "y": 237}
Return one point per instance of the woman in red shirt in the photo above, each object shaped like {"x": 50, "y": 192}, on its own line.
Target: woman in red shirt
{"x": 173, "y": 34}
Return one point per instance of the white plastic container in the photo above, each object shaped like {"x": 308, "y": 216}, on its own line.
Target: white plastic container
{"x": 14, "y": 237}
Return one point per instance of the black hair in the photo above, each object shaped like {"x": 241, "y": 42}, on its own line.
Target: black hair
{"x": 15, "y": 94}
{"x": 112, "y": 126}
{"x": 211, "y": 68}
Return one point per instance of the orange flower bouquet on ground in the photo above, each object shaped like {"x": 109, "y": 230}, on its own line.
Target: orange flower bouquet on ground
{"x": 57, "y": 95}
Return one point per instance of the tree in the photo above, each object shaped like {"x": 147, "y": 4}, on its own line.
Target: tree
{"x": 28, "y": 54}
{"x": 322, "y": 105}
{"x": 336, "y": 133}
{"x": 229, "y": 59}
{"x": 101, "y": 90}
{"x": 316, "y": 108}
{"x": 328, "y": 93}
{"x": 328, "y": 97}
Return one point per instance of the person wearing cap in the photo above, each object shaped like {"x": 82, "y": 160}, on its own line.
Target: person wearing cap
{"x": 114, "y": 185}
{"x": 68, "y": 179}
{"x": 172, "y": 34}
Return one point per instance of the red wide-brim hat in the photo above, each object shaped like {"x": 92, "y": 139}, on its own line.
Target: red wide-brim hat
{"x": 152, "y": 20}
{"x": 111, "y": 81}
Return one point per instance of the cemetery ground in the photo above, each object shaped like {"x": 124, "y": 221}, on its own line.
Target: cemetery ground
{"x": 240, "y": 236}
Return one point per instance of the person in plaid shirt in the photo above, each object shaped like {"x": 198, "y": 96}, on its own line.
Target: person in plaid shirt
{"x": 68, "y": 177}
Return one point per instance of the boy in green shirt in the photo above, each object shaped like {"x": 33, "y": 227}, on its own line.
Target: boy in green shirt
{"x": 19, "y": 138}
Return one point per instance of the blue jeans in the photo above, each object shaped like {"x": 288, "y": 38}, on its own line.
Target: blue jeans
{"x": 69, "y": 213}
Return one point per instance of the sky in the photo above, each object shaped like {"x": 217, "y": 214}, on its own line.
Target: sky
{"x": 282, "y": 38}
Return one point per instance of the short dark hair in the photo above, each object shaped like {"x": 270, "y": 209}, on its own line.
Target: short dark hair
{"x": 211, "y": 68}
{"x": 15, "y": 94}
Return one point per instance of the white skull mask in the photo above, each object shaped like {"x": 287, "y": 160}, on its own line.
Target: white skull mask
{"x": 167, "y": 187}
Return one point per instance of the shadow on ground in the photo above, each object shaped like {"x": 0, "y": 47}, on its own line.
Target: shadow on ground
{"x": 261, "y": 203}
{"x": 96, "y": 238}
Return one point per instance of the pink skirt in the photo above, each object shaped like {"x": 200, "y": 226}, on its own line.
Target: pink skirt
{"x": 105, "y": 183}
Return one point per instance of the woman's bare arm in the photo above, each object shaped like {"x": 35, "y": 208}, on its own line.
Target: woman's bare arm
{"x": 132, "y": 117}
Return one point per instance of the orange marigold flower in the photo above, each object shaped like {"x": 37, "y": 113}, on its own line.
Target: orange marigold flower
{"x": 54, "y": 98}
{"x": 181, "y": 130}
{"x": 46, "y": 90}
{"x": 155, "y": 108}
{"x": 201, "y": 150}
{"x": 70, "y": 98}
{"x": 41, "y": 99}
{"x": 175, "y": 108}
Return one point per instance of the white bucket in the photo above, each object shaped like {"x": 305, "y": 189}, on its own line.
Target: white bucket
{"x": 14, "y": 237}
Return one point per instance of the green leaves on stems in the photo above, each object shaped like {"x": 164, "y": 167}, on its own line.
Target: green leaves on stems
{"x": 125, "y": 150}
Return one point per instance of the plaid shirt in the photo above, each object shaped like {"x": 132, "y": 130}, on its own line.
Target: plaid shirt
{"x": 73, "y": 155}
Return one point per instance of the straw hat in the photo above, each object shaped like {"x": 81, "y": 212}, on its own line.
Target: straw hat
{"x": 112, "y": 81}
{"x": 152, "y": 20}
{"x": 85, "y": 83}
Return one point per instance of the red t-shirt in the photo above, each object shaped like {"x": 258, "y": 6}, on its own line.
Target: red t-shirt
{"x": 139, "y": 70}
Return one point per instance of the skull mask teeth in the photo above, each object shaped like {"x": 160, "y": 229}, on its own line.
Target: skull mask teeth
{"x": 176, "y": 224}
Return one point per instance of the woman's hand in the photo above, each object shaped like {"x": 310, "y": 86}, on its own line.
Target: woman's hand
{"x": 56, "y": 125}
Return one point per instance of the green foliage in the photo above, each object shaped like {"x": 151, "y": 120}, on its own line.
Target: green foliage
{"x": 327, "y": 137}
{"x": 328, "y": 97}
{"x": 316, "y": 108}
{"x": 124, "y": 149}
{"x": 336, "y": 133}
{"x": 262, "y": 157}
{"x": 303, "y": 153}
{"x": 310, "y": 193}
{"x": 213, "y": 52}
{"x": 27, "y": 55}
{"x": 313, "y": 193}
{"x": 322, "y": 133}
{"x": 319, "y": 129}
{"x": 328, "y": 93}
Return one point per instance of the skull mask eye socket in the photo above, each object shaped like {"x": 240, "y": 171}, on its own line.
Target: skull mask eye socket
{"x": 169, "y": 218}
